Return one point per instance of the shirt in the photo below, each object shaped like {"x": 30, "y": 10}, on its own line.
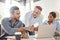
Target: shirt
{"x": 30, "y": 20}
{"x": 9, "y": 28}
{"x": 56, "y": 23}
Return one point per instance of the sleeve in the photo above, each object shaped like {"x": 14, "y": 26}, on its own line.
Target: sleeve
{"x": 7, "y": 28}
{"x": 27, "y": 19}
{"x": 58, "y": 27}
{"x": 22, "y": 24}
{"x": 41, "y": 19}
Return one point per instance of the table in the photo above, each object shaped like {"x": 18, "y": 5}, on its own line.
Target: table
{"x": 39, "y": 39}
{"x": 33, "y": 38}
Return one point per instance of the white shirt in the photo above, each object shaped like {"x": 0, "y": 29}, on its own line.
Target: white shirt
{"x": 30, "y": 20}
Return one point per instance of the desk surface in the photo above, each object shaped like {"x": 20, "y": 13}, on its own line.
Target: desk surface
{"x": 39, "y": 39}
{"x": 33, "y": 38}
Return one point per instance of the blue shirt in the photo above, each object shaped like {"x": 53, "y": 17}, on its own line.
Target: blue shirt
{"x": 9, "y": 28}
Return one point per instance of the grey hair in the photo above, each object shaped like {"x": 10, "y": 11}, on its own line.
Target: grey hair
{"x": 12, "y": 9}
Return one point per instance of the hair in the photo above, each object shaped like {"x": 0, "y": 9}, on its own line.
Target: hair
{"x": 12, "y": 9}
{"x": 39, "y": 7}
{"x": 53, "y": 14}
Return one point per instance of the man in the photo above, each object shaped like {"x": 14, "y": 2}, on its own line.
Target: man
{"x": 12, "y": 24}
{"x": 34, "y": 17}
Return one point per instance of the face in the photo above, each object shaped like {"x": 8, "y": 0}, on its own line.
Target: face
{"x": 50, "y": 17}
{"x": 16, "y": 14}
{"x": 36, "y": 12}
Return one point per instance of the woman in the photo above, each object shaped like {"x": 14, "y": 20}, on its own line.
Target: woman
{"x": 51, "y": 20}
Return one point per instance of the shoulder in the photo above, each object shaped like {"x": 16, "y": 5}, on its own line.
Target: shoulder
{"x": 21, "y": 23}
{"x": 45, "y": 22}
{"x": 28, "y": 13}
{"x": 41, "y": 16}
{"x": 56, "y": 22}
{"x": 5, "y": 19}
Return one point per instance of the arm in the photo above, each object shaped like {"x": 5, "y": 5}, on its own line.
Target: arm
{"x": 27, "y": 21}
{"x": 36, "y": 29}
{"x": 40, "y": 19}
{"x": 58, "y": 27}
{"x": 7, "y": 28}
{"x": 31, "y": 28}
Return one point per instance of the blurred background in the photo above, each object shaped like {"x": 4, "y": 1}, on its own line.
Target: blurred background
{"x": 28, "y": 5}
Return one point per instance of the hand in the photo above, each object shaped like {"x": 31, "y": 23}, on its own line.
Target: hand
{"x": 20, "y": 29}
{"x": 29, "y": 28}
{"x": 36, "y": 29}
{"x": 25, "y": 35}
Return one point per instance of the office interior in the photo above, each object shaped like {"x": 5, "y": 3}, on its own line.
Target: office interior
{"x": 29, "y": 5}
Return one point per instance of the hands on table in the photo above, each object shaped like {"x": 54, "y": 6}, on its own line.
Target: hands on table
{"x": 24, "y": 34}
{"x": 28, "y": 28}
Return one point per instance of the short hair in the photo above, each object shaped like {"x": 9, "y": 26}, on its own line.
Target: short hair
{"x": 12, "y": 9}
{"x": 39, "y": 7}
{"x": 53, "y": 14}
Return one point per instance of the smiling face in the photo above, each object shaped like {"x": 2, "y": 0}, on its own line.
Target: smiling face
{"x": 15, "y": 12}
{"x": 52, "y": 16}
{"x": 36, "y": 12}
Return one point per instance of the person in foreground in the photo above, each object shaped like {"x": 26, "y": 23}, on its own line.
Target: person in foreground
{"x": 13, "y": 24}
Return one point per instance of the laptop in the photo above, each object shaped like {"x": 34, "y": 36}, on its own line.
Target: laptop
{"x": 46, "y": 31}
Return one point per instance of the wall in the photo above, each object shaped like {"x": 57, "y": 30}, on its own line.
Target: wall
{"x": 47, "y": 5}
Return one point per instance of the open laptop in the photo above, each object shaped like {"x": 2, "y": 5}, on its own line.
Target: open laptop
{"x": 46, "y": 31}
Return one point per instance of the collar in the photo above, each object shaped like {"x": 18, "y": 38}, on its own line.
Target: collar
{"x": 10, "y": 20}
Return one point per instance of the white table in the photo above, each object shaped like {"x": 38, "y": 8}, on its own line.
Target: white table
{"x": 33, "y": 38}
{"x": 39, "y": 39}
